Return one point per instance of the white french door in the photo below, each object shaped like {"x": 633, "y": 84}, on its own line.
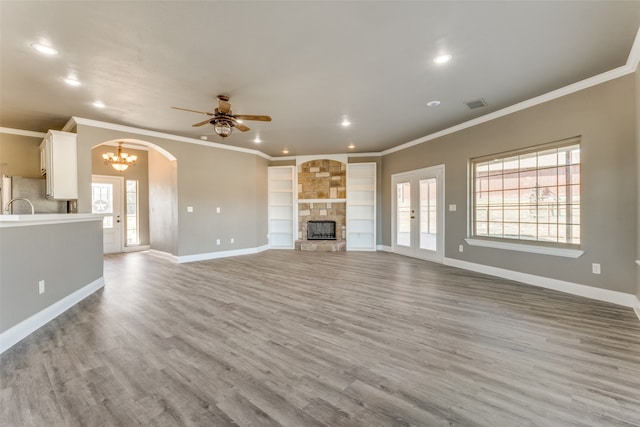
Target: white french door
{"x": 106, "y": 199}
{"x": 418, "y": 213}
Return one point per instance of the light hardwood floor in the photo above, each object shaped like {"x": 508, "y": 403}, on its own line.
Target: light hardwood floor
{"x": 338, "y": 339}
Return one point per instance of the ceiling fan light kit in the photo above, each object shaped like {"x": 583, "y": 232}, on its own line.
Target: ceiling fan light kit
{"x": 223, "y": 120}
{"x": 222, "y": 127}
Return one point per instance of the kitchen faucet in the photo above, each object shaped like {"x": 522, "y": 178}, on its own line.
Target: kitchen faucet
{"x": 6, "y": 208}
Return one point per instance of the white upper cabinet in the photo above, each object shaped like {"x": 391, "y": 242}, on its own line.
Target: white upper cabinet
{"x": 59, "y": 163}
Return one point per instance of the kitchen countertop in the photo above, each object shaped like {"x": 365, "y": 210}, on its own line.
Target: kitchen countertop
{"x": 40, "y": 219}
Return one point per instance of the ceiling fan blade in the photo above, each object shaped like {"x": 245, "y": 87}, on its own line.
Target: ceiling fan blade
{"x": 241, "y": 127}
{"x": 202, "y": 123}
{"x": 250, "y": 117}
{"x": 224, "y": 106}
{"x": 193, "y": 111}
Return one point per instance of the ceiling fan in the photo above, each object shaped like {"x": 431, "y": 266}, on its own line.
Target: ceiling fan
{"x": 223, "y": 120}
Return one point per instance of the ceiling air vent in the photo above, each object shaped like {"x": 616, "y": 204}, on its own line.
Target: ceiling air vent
{"x": 477, "y": 103}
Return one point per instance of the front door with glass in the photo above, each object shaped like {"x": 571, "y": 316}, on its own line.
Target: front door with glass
{"x": 106, "y": 199}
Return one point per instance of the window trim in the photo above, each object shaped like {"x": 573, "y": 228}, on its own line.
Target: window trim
{"x": 522, "y": 245}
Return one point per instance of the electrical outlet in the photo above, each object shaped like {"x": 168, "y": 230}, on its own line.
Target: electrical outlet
{"x": 232, "y": 240}
{"x": 218, "y": 210}
{"x": 595, "y": 268}
{"x": 218, "y": 242}
{"x": 461, "y": 248}
{"x": 41, "y": 287}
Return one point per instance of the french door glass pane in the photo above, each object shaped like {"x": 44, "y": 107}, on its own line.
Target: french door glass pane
{"x": 403, "y": 215}
{"x": 428, "y": 214}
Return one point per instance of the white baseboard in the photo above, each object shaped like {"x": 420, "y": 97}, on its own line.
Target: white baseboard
{"x": 162, "y": 254}
{"x": 615, "y": 297}
{"x": 138, "y": 248}
{"x": 384, "y": 248}
{"x": 15, "y": 334}
{"x": 221, "y": 254}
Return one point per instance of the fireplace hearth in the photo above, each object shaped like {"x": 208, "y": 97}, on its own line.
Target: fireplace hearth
{"x": 321, "y": 230}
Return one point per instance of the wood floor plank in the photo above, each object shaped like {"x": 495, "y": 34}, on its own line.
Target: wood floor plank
{"x": 336, "y": 339}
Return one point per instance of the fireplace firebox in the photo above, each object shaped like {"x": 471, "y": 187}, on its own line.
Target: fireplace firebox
{"x": 321, "y": 230}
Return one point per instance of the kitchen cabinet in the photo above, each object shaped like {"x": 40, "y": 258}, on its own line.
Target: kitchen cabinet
{"x": 361, "y": 207}
{"x": 59, "y": 164}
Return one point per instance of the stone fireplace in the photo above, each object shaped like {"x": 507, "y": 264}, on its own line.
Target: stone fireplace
{"x": 322, "y": 197}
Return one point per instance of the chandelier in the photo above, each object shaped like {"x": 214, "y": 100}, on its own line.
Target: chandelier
{"x": 120, "y": 161}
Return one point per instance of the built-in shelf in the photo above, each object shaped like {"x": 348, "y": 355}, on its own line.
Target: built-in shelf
{"x": 281, "y": 184}
{"x": 361, "y": 206}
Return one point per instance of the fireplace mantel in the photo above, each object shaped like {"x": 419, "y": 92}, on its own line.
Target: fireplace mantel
{"x": 322, "y": 200}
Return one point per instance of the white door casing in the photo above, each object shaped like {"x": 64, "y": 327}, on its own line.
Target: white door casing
{"x": 418, "y": 213}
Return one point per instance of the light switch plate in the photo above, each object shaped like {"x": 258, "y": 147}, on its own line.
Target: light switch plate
{"x": 452, "y": 208}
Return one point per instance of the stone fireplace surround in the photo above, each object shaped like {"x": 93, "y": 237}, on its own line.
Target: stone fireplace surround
{"x": 322, "y": 196}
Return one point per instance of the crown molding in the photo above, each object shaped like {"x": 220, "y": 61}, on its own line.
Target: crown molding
{"x": 549, "y": 96}
{"x": 29, "y": 133}
{"x": 156, "y": 134}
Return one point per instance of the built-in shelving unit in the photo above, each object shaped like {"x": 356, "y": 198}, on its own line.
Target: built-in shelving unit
{"x": 361, "y": 206}
{"x": 282, "y": 220}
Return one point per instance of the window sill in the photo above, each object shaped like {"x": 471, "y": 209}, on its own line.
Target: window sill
{"x": 520, "y": 247}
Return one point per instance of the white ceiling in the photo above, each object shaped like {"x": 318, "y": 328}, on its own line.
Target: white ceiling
{"x": 307, "y": 64}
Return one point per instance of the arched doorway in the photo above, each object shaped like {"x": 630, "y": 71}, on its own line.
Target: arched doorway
{"x": 130, "y": 199}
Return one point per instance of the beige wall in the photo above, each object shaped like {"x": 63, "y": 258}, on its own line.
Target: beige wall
{"x": 604, "y": 116}
{"x": 20, "y": 155}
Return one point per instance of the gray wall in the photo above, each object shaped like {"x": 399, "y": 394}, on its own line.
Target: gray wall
{"x": 604, "y": 116}
{"x": 206, "y": 178}
{"x": 637, "y": 116}
{"x": 163, "y": 203}
{"x": 139, "y": 172}
{"x": 66, "y": 256}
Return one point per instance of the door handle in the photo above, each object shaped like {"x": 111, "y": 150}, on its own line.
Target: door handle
{"x": 411, "y": 218}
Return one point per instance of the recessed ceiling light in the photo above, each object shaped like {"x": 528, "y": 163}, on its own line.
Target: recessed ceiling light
{"x": 71, "y": 81}
{"x": 352, "y": 146}
{"x": 257, "y": 140}
{"x": 285, "y": 151}
{"x": 441, "y": 59}
{"x": 345, "y": 122}
{"x": 99, "y": 104}
{"x": 204, "y": 137}
{"x": 433, "y": 103}
{"x": 45, "y": 49}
